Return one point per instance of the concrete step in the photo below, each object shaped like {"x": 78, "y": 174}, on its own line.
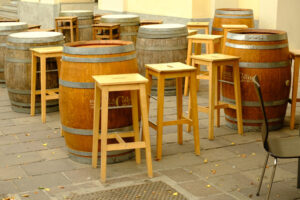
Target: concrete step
{"x": 8, "y": 14}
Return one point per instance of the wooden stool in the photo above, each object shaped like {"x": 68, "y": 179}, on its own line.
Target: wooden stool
{"x": 192, "y": 32}
{"x": 68, "y": 23}
{"x": 211, "y": 40}
{"x": 230, "y": 27}
{"x": 121, "y": 82}
{"x": 106, "y": 31}
{"x": 295, "y": 54}
{"x": 46, "y": 94}
{"x": 97, "y": 18}
{"x": 214, "y": 62}
{"x": 150, "y": 22}
{"x": 178, "y": 71}
{"x": 197, "y": 26}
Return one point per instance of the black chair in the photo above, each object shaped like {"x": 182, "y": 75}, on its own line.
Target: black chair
{"x": 275, "y": 147}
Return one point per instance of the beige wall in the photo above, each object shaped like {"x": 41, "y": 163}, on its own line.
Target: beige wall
{"x": 251, "y": 4}
{"x": 268, "y": 14}
{"x": 201, "y": 9}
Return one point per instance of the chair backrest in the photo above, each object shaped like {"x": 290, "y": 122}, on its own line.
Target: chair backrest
{"x": 264, "y": 128}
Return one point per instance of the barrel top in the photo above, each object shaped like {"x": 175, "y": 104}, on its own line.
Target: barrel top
{"x": 35, "y": 37}
{"x": 121, "y": 19}
{"x": 77, "y": 13}
{"x": 259, "y": 35}
{"x": 162, "y": 31}
{"x": 6, "y": 26}
{"x": 234, "y": 11}
{"x": 98, "y": 47}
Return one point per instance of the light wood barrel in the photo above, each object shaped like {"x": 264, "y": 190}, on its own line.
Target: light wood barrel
{"x": 161, "y": 43}
{"x": 129, "y": 25}
{"x": 231, "y": 16}
{"x": 80, "y": 61}
{"x": 85, "y": 22}
{"x": 18, "y": 68}
{"x": 264, "y": 53}
{"x": 7, "y": 28}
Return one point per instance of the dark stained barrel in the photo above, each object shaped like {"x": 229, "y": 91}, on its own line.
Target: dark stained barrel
{"x": 161, "y": 43}
{"x": 18, "y": 68}
{"x": 129, "y": 25}
{"x": 80, "y": 61}
{"x": 264, "y": 53}
{"x": 7, "y": 28}
{"x": 85, "y": 21}
{"x": 231, "y": 16}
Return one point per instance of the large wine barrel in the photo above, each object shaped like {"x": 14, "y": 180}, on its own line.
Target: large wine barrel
{"x": 231, "y": 16}
{"x": 7, "y": 28}
{"x": 80, "y": 61}
{"x": 18, "y": 68}
{"x": 85, "y": 21}
{"x": 264, "y": 53}
{"x": 129, "y": 25}
{"x": 161, "y": 43}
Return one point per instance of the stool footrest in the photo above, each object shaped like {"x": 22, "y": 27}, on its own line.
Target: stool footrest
{"x": 128, "y": 145}
{"x": 232, "y": 106}
{"x": 52, "y": 96}
{"x": 122, "y": 134}
{"x": 203, "y": 77}
{"x": 183, "y": 120}
{"x": 221, "y": 105}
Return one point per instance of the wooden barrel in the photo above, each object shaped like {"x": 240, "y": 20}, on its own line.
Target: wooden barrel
{"x": 161, "y": 43}
{"x": 264, "y": 53}
{"x": 129, "y": 25}
{"x": 85, "y": 22}
{"x": 18, "y": 68}
{"x": 7, "y": 28}
{"x": 80, "y": 61}
{"x": 231, "y": 16}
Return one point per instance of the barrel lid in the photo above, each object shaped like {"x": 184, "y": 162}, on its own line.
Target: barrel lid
{"x": 163, "y": 31}
{"x": 257, "y": 35}
{"x": 98, "y": 47}
{"x": 35, "y": 37}
{"x": 77, "y": 13}
{"x": 122, "y": 19}
{"x": 233, "y": 11}
{"x": 10, "y": 26}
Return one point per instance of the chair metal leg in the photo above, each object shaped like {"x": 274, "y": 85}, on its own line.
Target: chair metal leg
{"x": 262, "y": 174}
{"x": 272, "y": 178}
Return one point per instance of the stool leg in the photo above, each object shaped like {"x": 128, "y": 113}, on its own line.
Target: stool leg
{"x": 211, "y": 48}
{"x": 179, "y": 108}
{"x": 77, "y": 31}
{"x": 104, "y": 116}
{"x": 148, "y": 88}
{"x": 211, "y": 103}
{"x": 43, "y": 87}
{"x": 217, "y": 95}
{"x": 33, "y": 85}
{"x": 58, "y": 62}
{"x": 135, "y": 122}
{"x": 188, "y": 62}
{"x": 160, "y": 115}
{"x": 294, "y": 92}
{"x": 96, "y": 127}
{"x": 72, "y": 31}
{"x": 238, "y": 99}
{"x": 206, "y": 32}
{"x": 193, "y": 94}
{"x": 145, "y": 122}
{"x": 189, "y": 105}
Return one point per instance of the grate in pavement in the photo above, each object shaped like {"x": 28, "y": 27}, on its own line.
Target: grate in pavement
{"x": 148, "y": 191}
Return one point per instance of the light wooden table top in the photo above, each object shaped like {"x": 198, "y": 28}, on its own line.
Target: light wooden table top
{"x": 205, "y": 37}
{"x": 43, "y": 50}
{"x": 170, "y": 67}
{"x": 119, "y": 79}
{"x": 215, "y": 57}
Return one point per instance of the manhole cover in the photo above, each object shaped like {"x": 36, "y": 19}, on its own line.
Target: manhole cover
{"x": 147, "y": 191}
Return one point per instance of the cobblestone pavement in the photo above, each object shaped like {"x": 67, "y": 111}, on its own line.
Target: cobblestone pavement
{"x": 34, "y": 162}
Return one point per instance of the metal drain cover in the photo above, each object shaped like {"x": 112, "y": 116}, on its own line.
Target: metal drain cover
{"x": 148, "y": 191}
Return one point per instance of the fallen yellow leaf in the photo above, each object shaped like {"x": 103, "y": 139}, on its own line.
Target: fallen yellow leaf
{"x": 45, "y": 144}
{"x": 208, "y": 186}
{"x": 205, "y": 160}
{"x": 47, "y": 189}
{"x": 25, "y": 195}
{"x": 175, "y": 194}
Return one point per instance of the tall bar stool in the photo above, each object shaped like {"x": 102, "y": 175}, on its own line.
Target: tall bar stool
{"x": 135, "y": 83}
{"x": 68, "y": 23}
{"x": 177, "y": 71}
{"x": 107, "y": 31}
{"x": 214, "y": 45}
{"x": 230, "y": 27}
{"x": 295, "y": 54}
{"x": 199, "y": 26}
{"x": 46, "y": 94}
{"x": 214, "y": 62}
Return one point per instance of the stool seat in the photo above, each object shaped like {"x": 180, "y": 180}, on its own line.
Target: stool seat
{"x": 108, "y": 25}
{"x": 46, "y": 94}
{"x": 108, "y": 31}
{"x": 205, "y": 37}
{"x": 295, "y": 55}
{"x": 119, "y": 79}
{"x": 178, "y": 71}
{"x": 235, "y": 26}
{"x": 216, "y": 57}
{"x": 214, "y": 63}
{"x": 135, "y": 83}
